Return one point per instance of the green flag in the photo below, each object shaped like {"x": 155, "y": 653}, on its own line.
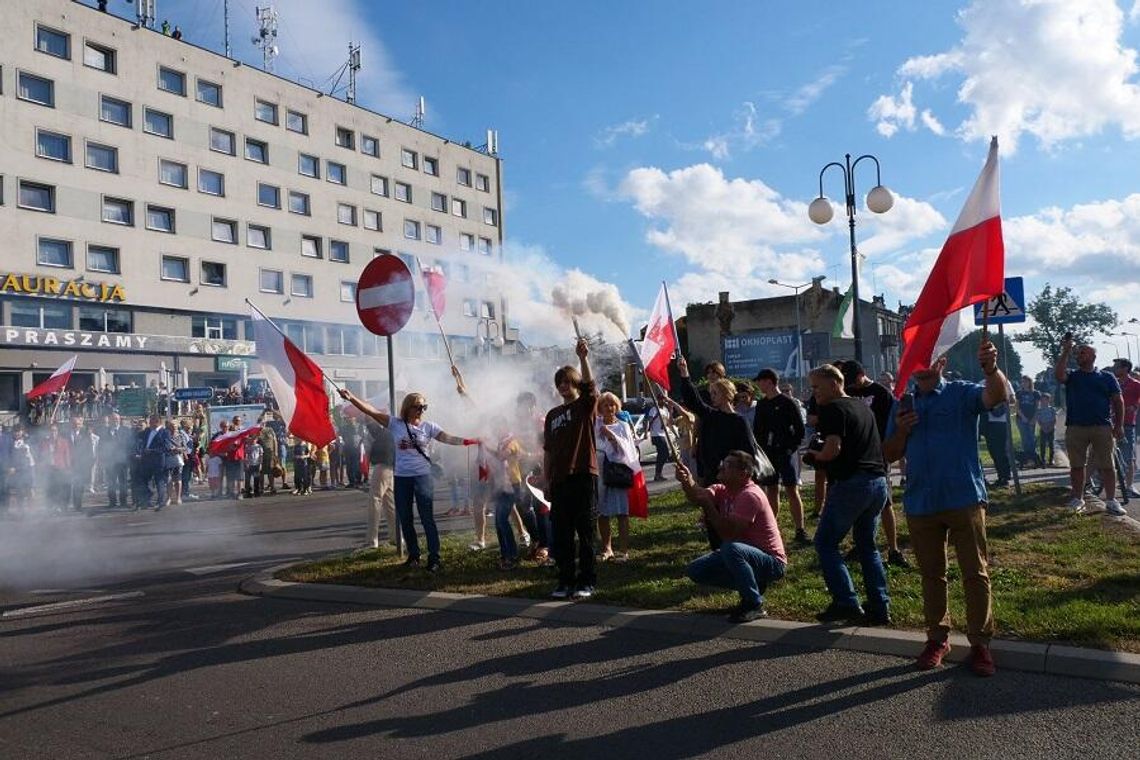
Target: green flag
{"x": 845, "y": 319}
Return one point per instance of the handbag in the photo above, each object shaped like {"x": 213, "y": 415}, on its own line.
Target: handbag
{"x": 616, "y": 475}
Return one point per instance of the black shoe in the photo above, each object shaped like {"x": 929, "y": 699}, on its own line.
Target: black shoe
{"x": 1000, "y": 483}
{"x": 801, "y": 540}
{"x": 744, "y": 614}
{"x": 434, "y": 566}
{"x": 896, "y": 558}
{"x": 412, "y": 562}
{"x": 881, "y": 617}
{"x": 562, "y": 592}
{"x": 836, "y": 613}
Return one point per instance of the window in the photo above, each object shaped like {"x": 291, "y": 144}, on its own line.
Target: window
{"x": 347, "y": 291}
{"x": 485, "y": 246}
{"x": 209, "y": 93}
{"x": 101, "y": 258}
{"x": 158, "y": 123}
{"x": 172, "y": 173}
{"x": 379, "y": 185}
{"x": 215, "y": 328}
{"x": 35, "y": 89}
{"x": 483, "y": 182}
{"x": 211, "y": 182}
{"x": 301, "y": 285}
{"x": 297, "y": 122}
{"x": 409, "y": 158}
{"x": 115, "y": 111}
{"x": 223, "y": 230}
{"x": 411, "y": 229}
{"x": 372, "y": 220}
{"x": 53, "y": 42}
{"x": 266, "y": 112}
{"x": 256, "y": 150}
{"x": 490, "y": 216}
{"x": 338, "y": 251}
{"x": 335, "y": 172}
{"x": 311, "y": 246}
{"x": 299, "y": 202}
{"x": 488, "y": 310}
{"x": 466, "y": 241}
{"x": 54, "y": 253}
{"x": 99, "y": 57}
{"x": 403, "y": 192}
{"x": 431, "y": 166}
{"x": 214, "y": 274}
{"x": 258, "y": 236}
{"x": 54, "y": 316}
{"x": 160, "y": 219}
{"x": 222, "y": 141}
{"x": 268, "y": 195}
{"x": 346, "y": 213}
{"x": 469, "y": 307}
{"x": 439, "y": 202}
{"x": 370, "y": 146}
{"x": 345, "y": 138}
{"x": 344, "y": 340}
{"x": 433, "y": 234}
{"x": 53, "y": 145}
{"x": 170, "y": 80}
{"x": 271, "y": 281}
{"x": 175, "y": 269}
{"x": 459, "y": 207}
{"x": 36, "y": 197}
{"x": 463, "y": 176}
{"x": 94, "y": 319}
{"x": 118, "y": 211}
{"x": 104, "y": 158}
{"x": 310, "y": 166}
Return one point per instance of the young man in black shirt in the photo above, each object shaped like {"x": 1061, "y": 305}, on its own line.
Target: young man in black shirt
{"x": 779, "y": 429}
{"x": 852, "y": 457}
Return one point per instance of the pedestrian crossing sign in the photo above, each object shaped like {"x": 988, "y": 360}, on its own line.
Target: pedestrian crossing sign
{"x": 1006, "y": 309}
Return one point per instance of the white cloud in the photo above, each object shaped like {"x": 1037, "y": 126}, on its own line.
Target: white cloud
{"x": 1054, "y": 69}
{"x": 907, "y": 221}
{"x": 802, "y": 98}
{"x": 749, "y": 131}
{"x": 633, "y": 128}
{"x": 1134, "y": 14}
{"x": 1098, "y": 241}
{"x": 931, "y": 122}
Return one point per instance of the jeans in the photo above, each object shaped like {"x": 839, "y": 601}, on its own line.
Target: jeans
{"x": 504, "y": 503}
{"x": 1028, "y": 439}
{"x": 853, "y": 504}
{"x": 662, "y": 447}
{"x": 997, "y": 444}
{"x": 1045, "y": 445}
{"x": 739, "y": 566}
{"x": 118, "y": 478}
{"x": 419, "y": 488}
{"x": 573, "y": 512}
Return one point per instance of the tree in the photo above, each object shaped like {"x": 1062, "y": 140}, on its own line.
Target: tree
{"x": 962, "y": 359}
{"x": 1058, "y": 312}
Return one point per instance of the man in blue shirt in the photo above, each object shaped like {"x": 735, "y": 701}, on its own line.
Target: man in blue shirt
{"x": 1094, "y": 419}
{"x": 945, "y": 498}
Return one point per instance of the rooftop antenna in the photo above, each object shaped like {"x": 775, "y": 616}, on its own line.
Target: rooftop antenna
{"x": 226, "y": 25}
{"x": 421, "y": 112}
{"x": 145, "y": 12}
{"x": 267, "y": 36}
{"x": 491, "y": 147}
{"x": 353, "y": 67}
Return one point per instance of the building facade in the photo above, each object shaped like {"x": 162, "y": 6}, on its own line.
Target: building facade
{"x": 148, "y": 187}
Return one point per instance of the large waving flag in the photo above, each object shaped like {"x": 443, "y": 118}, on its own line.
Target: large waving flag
{"x": 971, "y": 268}
{"x": 660, "y": 341}
{"x": 297, "y": 382}
{"x": 228, "y": 442}
{"x": 435, "y": 284}
{"x": 57, "y": 382}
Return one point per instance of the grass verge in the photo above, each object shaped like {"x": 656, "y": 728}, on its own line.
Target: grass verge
{"x": 1057, "y": 577}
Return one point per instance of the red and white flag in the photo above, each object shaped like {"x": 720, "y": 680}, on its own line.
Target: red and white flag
{"x": 228, "y": 442}
{"x": 970, "y": 269}
{"x": 660, "y": 342}
{"x": 297, "y": 382}
{"x": 57, "y": 382}
{"x": 435, "y": 284}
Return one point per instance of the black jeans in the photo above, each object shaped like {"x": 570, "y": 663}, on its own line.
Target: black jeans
{"x": 996, "y": 444}
{"x": 118, "y": 479}
{"x": 574, "y": 513}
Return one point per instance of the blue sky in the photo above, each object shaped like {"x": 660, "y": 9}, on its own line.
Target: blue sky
{"x": 680, "y": 141}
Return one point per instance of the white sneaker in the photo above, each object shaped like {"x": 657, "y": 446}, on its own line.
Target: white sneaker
{"x": 478, "y": 546}
{"x": 1077, "y": 505}
{"x": 1112, "y": 506}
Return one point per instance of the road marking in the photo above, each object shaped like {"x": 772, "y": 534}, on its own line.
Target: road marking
{"x": 136, "y": 524}
{"x": 70, "y": 604}
{"x": 207, "y": 569}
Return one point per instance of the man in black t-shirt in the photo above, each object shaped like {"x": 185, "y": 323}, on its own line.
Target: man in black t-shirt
{"x": 852, "y": 457}
{"x": 778, "y": 428}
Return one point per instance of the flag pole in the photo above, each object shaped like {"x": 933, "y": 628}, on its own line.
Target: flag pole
{"x": 653, "y": 395}
{"x": 459, "y": 387}
{"x": 273, "y": 324}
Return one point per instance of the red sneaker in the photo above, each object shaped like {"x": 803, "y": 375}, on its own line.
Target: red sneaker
{"x": 932, "y": 655}
{"x": 981, "y": 662}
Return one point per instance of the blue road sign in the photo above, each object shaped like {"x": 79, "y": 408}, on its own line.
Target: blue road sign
{"x": 1006, "y": 309}
{"x": 193, "y": 394}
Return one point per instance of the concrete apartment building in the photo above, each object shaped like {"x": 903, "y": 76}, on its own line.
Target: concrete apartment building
{"x": 149, "y": 186}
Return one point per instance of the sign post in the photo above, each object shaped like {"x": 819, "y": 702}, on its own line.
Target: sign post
{"x": 1006, "y": 309}
{"x": 385, "y": 297}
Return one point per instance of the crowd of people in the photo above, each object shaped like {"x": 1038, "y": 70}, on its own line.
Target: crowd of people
{"x": 93, "y": 403}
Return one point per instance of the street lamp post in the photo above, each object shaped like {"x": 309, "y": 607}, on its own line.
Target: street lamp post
{"x": 489, "y": 328}
{"x": 1136, "y": 338}
{"x": 799, "y": 330}
{"x": 1115, "y": 348}
{"x": 879, "y": 200}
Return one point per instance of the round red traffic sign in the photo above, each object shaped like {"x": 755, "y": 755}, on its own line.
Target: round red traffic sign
{"x": 385, "y": 295}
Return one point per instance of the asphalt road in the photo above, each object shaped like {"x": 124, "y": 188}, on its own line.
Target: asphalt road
{"x": 170, "y": 662}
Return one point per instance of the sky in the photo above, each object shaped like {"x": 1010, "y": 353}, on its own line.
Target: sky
{"x": 682, "y": 142}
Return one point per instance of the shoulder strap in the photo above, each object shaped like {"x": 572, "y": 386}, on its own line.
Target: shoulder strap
{"x": 412, "y": 438}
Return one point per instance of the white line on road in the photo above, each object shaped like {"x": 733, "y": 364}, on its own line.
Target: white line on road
{"x": 71, "y": 603}
{"x": 207, "y": 569}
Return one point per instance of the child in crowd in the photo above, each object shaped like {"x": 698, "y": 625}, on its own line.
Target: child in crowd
{"x": 302, "y": 468}
{"x": 214, "y": 476}
{"x": 254, "y": 452}
{"x": 1046, "y": 428}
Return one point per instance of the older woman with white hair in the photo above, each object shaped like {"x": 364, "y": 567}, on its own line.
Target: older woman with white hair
{"x": 617, "y": 457}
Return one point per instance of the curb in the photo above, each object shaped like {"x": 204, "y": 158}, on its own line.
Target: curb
{"x": 1031, "y": 657}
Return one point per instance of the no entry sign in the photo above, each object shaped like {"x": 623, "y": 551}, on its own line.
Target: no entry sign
{"x": 385, "y": 295}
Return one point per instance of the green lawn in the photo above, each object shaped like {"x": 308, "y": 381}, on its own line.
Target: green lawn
{"x": 1056, "y": 576}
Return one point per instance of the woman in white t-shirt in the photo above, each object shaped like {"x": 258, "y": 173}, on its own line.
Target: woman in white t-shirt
{"x": 615, "y": 443}
{"x": 414, "y": 476}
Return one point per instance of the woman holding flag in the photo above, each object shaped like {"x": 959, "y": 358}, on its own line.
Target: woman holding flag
{"x": 415, "y": 470}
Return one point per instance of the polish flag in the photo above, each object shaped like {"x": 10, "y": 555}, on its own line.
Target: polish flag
{"x": 660, "y": 342}
{"x": 297, "y": 382}
{"x": 435, "y": 284}
{"x": 228, "y": 442}
{"x": 57, "y": 382}
{"x": 970, "y": 269}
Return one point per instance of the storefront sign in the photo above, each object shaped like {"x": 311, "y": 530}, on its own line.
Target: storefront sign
{"x": 748, "y": 353}
{"x": 35, "y": 285}
{"x": 230, "y": 363}
{"x": 123, "y": 342}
